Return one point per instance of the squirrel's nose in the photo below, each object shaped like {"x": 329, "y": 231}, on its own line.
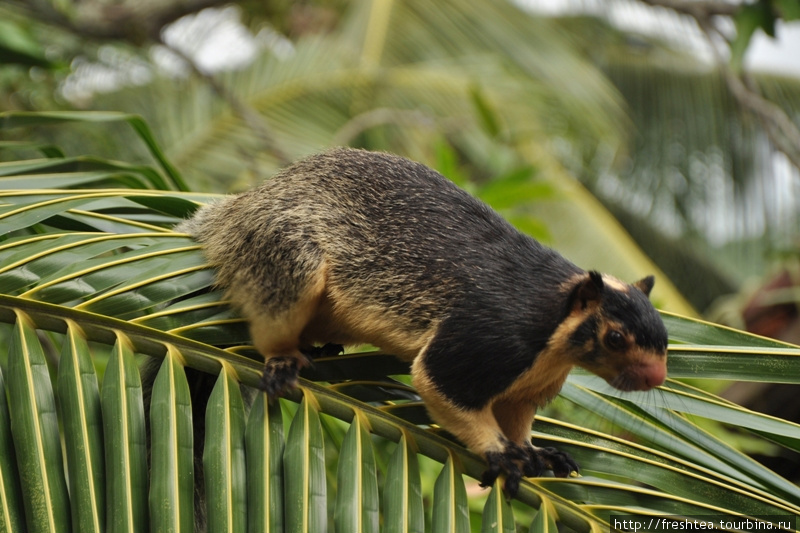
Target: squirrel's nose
{"x": 653, "y": 375}
{"x": 641, "y": 376}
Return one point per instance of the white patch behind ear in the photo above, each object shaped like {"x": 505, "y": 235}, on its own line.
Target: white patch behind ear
{"x": 615, "y": 283}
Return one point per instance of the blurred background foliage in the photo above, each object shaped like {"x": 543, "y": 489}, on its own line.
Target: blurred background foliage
{"x": 623, "y": 147}
{"x": 643, "y": 119}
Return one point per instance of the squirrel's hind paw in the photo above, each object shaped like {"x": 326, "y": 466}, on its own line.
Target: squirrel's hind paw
{"x": 327, "y": 350}
{"x": 280, "y": 376}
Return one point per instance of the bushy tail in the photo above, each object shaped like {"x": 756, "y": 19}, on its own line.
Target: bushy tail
{"x": 198, "y": 223}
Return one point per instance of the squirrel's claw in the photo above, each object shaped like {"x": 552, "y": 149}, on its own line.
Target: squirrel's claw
{"x": 505, "y": 461}
{"x": 281, "y": 372}
{"x": 280, "y": 376}
{"x": 530, "y": 461}
{"x": 512, "y": 460}
{"x": 559, "y": 462}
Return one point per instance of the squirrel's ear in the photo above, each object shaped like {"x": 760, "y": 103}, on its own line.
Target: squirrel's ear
{"x": 645, "y": 284}
{"x": 587, "y": 290}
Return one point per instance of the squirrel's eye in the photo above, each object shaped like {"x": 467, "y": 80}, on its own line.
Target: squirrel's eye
{"x": 615, "y": 340}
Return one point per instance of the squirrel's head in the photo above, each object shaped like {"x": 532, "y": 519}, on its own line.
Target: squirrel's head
{"x": 616, "y": 332}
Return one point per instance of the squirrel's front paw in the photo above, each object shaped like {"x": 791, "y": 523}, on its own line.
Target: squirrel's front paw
{"x": 280, "y": 375}
{"x": 511, "y": 460}
{"x": 559, "y": 462}
{"x": 501, "y": 462}
{"x": 530, "y": 461}
{"x": 541, "y": 459}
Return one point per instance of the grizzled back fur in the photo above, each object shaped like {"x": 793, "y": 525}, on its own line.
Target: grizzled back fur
{"x": 395, "y": 235}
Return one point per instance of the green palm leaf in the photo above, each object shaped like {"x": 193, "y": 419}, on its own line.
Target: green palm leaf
{"x": 304, "y": 459}
{"x": 23, "y": 119}
{"x": 99, "y": 274}
{"x": 450, "y": 511}
{"x": 172, "y": 449}
{"x": 11, "y": 505}
{"x": 224, "y": 456}
{"x": 497, "y": 514}
{"x": 125, "y": 442}
{"x": 34, "y": 426}
{"x": 79, "y": 401}
{"x": 357, "y": 503}
{"x": 402, "y": 496}
{"x": 264, "y": 452}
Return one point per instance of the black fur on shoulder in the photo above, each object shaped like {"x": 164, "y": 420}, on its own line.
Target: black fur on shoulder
{"x": 506, "y": 329}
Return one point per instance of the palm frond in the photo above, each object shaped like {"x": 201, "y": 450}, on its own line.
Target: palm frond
{"x": 98, "y": 276}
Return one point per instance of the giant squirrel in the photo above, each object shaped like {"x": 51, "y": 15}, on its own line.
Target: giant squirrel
{"x": 356, "y": 247}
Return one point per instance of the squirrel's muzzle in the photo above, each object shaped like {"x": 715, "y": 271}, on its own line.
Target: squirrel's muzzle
{"x": 641, "y": 376}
